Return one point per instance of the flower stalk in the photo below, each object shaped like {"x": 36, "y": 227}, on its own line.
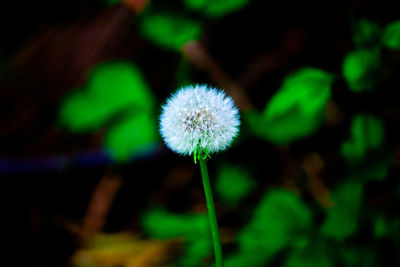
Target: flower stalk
{"x": 212, "y": 217}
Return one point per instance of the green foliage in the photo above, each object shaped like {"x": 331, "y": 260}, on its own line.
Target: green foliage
{"x": 375, "y": 168}
{"x": 306, "y": 90}
{"x": 195, "y": 253}
{"x": 366, "y": 135}
{"x": 391, "y": 35}
{"x": 113, "y": 90}
{"x": 170, "y": 31}
{"x": 366, "y": 33}
{"x": 358, "y": 256}
{"x": 158, "y": 223}
{"x": 297, "y": 109}
{"x": 233, "y": 184}
{"x": 313, "y": 255}
{"x": 135, "y": 134}
{"x": 79, "y": 114}
{"x": 280, "y": 219}
{"x": 341, "y": 220}
{"x": 378, "y": 170}
{"x": 360, "y": 69}
{"x": 381, "y": 227}
{"x": 216, "y": 8}
{"x": 387, "y": 227}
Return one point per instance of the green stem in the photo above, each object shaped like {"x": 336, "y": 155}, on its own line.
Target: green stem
{"x": 211, "y": 214}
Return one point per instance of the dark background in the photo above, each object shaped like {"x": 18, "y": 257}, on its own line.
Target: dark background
{"x": 48, "y": 174}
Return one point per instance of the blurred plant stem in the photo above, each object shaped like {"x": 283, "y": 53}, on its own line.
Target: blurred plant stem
{"x": 100, "y": 203}
{"x": 211, "y": 214}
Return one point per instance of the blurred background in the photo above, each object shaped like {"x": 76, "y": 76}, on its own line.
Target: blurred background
{"x": 312, "y": 179}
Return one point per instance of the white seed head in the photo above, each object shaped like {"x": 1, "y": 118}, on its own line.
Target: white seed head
{"x": 198, "y": 119}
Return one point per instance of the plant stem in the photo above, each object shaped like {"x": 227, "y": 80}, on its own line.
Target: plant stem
{"x": 212, "y": 217}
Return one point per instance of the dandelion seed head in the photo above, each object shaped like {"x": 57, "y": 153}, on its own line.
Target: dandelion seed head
{"x": 199, "y": 119}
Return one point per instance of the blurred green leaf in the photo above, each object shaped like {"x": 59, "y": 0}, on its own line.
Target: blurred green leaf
{"x": 169, "y": 30}
{"x": 112, "y": 87}
{"x": 391, "y": 35}
{"x": 306, "y": 90}
{"x": 114, "y": 90}
{"x": 341, "y": 219}
{"x": 216, "y": 8}
{"x": 367, "y": 134}
{"x": 158, "y": 223}
{"x": 381, "y": 227}
{"x": 314, "y": 255}
{"x": 233, "y": 184}
{"x": 121, "y": 83}
{"x": 374, "y": 168}
{"x": 297, "y": 109}
{"x": 250, "y": 259}
{"x": 358, "y": 256}
{"x": 360, "y": 69}
{"x": 280, "y": 218}
{"x": 195, "y": 253}
{"x": 366, "y": 33}
{"x": 79, "y": 114}
{"x": 132, "y": 136}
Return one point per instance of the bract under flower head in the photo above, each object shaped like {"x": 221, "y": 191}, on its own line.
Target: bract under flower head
{"x": 199, "y": 121}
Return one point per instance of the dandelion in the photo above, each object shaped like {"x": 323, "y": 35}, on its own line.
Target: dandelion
{"x": 199, "y": 121}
